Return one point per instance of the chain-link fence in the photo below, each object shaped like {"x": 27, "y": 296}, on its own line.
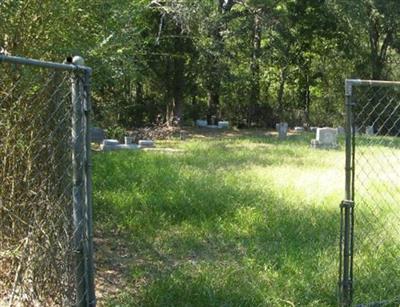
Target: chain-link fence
{"x": 45, "y": 205}
{"x": 370, "y": 237}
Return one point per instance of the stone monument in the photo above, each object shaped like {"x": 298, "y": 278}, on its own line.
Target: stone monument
{"x": 325, "y": 138}
{"x": 97, "y": 135}
{"x": 282, "y": 129}
{"x": 369, "y": 130}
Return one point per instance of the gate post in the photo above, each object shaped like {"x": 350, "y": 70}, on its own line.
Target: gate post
{"x": 88, "y": 191}
{"x": 78, "y": 186}
{"x": 346, "y": 209}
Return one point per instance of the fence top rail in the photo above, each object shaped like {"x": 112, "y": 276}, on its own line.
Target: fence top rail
{"x": 44, "y": 64}
{"x": 371, "y": 82}
{"x": 349, "y": 83}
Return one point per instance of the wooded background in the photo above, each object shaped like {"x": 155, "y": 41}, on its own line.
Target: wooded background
{"x": 252, "y": 62}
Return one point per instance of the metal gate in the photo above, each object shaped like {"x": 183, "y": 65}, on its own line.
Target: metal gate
{"x": 369, "y": 273}
{"x": 46, "y": 254}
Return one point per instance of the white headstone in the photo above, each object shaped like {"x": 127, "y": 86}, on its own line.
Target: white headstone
{"x": 201, "y": 123}
{"x": 127, "y": 146}
{"x": 298, "y": 129}
{"x": 313, "y": 129}
{"x": 369, "y": 130}
{"x": 128, "y": 140}
{"x": 282, "y": 129}
{"x": 223, "y": 124}
{"x": 340, "y": 130}
{"x": 109, "y": 144}
{"x": 325, "y": 137}
{"x": 146, "y": 143}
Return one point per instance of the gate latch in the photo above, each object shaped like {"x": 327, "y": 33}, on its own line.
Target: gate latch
{"x": 347, "y": 204}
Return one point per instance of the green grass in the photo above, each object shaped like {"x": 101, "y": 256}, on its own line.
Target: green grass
{"x": 229, "y": 221}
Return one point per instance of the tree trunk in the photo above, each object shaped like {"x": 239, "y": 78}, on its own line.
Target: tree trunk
{"x": 214, "y": 81}
{"x": 281, "y": 91}
{"x": 139, "y": 93}
{"x": 379, "y": 45}
{"x": 178, "y": 86}
{"x": 178, "y": 81}
{"x": 212, "y": 104}
{"x": 306, "y": 100}
{"x": 307, "y": 104}
{"x": 255, "y": 69}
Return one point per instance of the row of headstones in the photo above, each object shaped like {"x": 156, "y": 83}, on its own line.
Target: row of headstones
{"x": 98, "y": 136}
{"x": 369, "y": 130}
{"x": 283, "y": 129}
{"x": 112, "y": 144}
{"x": 201, "y": 123}
{"x": 325, "y": 137}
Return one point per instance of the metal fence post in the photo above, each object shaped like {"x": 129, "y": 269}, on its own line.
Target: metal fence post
{"x": 88, "y": 192}
{"x": 346, "y": 208}
{"x": 78, "y": 185}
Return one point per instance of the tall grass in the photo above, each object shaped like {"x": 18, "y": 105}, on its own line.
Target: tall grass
{"x": 35, "y": 187}
{"x": 234, "y": 221}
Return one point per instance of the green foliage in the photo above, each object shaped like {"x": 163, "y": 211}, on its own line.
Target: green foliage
{"x": 248, "y": 61}
{"x": 115, "y": 132}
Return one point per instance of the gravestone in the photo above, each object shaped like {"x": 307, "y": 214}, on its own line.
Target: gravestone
{"x": 356, "y": 130}
{"x": 146, "y": 144}
{"x": 298, "y": 129}
{"x": 128, "y": 140}
{"x": 282, "y": 129}
{"x": 325, "y": 138}
{"x": 340, "y": 130}
{"x": 223, "y": 124}
{"x": 313, "y": 129}
{"x": 97, "y": 135}
{"x": 201, "y": 123}
{"x": 369, "y": 130}
{"x": 109, "y": 144}
{"x": 183, "y": 135}
{"x": 127, "y": 146}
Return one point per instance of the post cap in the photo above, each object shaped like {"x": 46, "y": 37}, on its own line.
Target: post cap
{"x": 78, "y": 60}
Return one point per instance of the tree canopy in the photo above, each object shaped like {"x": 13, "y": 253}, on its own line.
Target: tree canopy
{"x": 252, "y": 62}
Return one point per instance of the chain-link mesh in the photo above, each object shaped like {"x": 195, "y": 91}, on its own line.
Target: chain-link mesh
{"x": 38, "y": 254}
{"x": 375, "y": 130}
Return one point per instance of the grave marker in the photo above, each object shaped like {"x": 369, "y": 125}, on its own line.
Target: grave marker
{"x": 369, "y": 130}
{"x": 325, "y": 138}
{"x": 282, "y": 129}
{"x": 97, "y": 135}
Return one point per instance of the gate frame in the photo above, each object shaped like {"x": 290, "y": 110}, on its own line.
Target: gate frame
{"x": 347, "y": 206}
{"x": 81, "y": 166}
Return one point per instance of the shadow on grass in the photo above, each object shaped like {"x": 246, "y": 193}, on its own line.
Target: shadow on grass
{"x": 287, "y": 255}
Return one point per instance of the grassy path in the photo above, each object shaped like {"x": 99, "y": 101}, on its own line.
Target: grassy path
{"x": 229, "y": 220}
